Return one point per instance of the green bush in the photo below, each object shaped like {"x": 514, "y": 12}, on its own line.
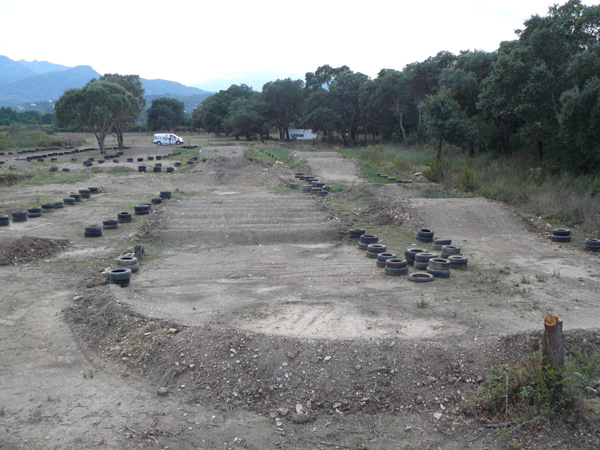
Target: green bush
{"x": 437, "y": 170}
{"x": 526, "y": 389}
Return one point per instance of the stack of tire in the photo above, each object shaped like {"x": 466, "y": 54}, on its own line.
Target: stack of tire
{"x": 592, "y": 245}
{"x": 425, "y": 235}
{"x": 165, "y": 195}
{"x": 421, "y": 261}
{"x": 410, "y": 253}
{"x": 383, "y": 257}
{"x": 93, "y": 231}
{"x": 439, "y": 267}
{"x": 356, "y": 233}
{"x": 128, "y": 261}
{"x": 19, "y": 216}
{"x": 375, "y": 249}
{"x": 365, "y": 240}
{"x": 561, "y": 235}
{"x": 142, "y": 209}
{"x": 4, "y": 220}
{"x": 118, "y": 275}
{"x": 396, "y": 267}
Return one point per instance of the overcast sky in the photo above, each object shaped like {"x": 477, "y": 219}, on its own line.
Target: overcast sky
{"x": 196, "y": 42}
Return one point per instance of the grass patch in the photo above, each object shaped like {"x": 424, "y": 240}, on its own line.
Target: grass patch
{"x": 526, "y": 389}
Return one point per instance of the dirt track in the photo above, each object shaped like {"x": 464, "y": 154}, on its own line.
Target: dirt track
{"x": 255, "y": 303}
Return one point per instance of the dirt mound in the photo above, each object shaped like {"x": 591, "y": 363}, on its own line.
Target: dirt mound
{"x": 25, "y": 249}
{"x": 235, "y": 164}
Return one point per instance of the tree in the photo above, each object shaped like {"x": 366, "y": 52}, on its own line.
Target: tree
{"x": 96, "y": 108}
{"x": 132, "y": 84}
{"x": 284, "y": 99}
{"x": 247, "y": 117}
{"x": 445, "y": 120}
{"x": 322, "y": 113}
{"x": 393, "y": 94}
{"x": 213, "y": 111}
{"x": 165, "y": 114}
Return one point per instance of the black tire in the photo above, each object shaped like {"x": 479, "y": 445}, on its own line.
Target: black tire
{"x": 19, "y": 214}
{"x": 139, "y": 251}
{"x": 34, "y": 210}
{"x": 424, "y": 256}
{"x": 589, "y": 248}
{"x": 93, "y": 233}
{"x": 159, "y": 143}
{"x": 439, "y": 273}
{"x": 419, "y": 265}
{"x": 396, "y": 271}
{"x": 424, "y": 239}
{"x": 450, "y": 250}
{"x": 118, "y": 275}
{"x": 93, "y": 190}
{"x": 165, "y": 194}
{"x": 439, "y": 264}
{"x": 377, "y": 248}
{"x": 93, "y": 228}
{"x": 592, "y": 242}
{"x": 356, "y": 233}
{"x": 4, "y": 220}
{"x": 141, "y": 168}
{"x": 170, "y": 170}
{"x": 124, "y": 217}
{"x": 110, "y": 224}
{"x": 421, "y": 277}
{"x": 34, "y": 215}
{"x": 140, "y": 159}
{"x": 439, "y": 243}
{"x": 362, "y": 246}
{"x": 157, "y": 201}
{"x": 458, "y": 261}
{"x": 410, "y": 253}
{"x": 47, "y": 206}
{"x": 383, "y": 257}
{"x": 69, "y": 201}
{"x": 75, "y": 196}
{"x": 555, "y": 238}
{"x": 425, "y": 232}
{"x": 396, "y": 263}
{"x": 368, "y": 239}
{"x": 561, "y": 232}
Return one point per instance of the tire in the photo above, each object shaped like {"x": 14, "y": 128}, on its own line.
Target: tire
{"x": 424, "y": 239}
{"x": 19, "y": 216}
{"x": 93, "y": 233}
{"x": 139, "y": 251}
{"x": 110, "y": 224}
{"x": 368, "y": 239}
{"x": 165, "y": 194}
{"x": 4, "y": 220}
{"x": 377, "y": 248}
{"x": 170, "y": 170}
{"x": 448, "y": 250}
{"x": 159, "y": 143}
{"x": 458, "y": 261}
{"x": 93, "y": 190}
{"x": 157, "y": 201}
{"x": 424, "y": 256}
{"x": 382, "y": 258}
{"x": 396, "y": 263}
{"x": 425, "y": 232}
{"x": 561, "y": 232}
{"x": 421, "y": 277}
{"x": 439, "y": 273}
{"x": 124, "y": 217}
{"x": 362, "y": 246}
{"x": 410, "y": 253}
{"x": 439, "y": 243}
{"x": 356, "y": 233}
{"x": 141, "y": 168}
{"x": 555, "y": 238}
{"x": 69, "y": 201}
{"x": 118, "y": 275}
{"x": 75, "y": 196}
{"x": 439, "y": 264}
{"x": 396, "y": 271}
{"x": 419, "y": 265}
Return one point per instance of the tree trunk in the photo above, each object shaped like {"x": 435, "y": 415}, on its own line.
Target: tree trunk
{"x": 439, "y": 149}
{"x": 540, "y": 147}
{"x": 120, "y": 139}
{"x": 553, "y": 349}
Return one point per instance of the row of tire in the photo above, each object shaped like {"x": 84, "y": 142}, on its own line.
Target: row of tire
{"x": 315, "y": 187}
{"x": 392, "y": 178}
{"x": 46, "y": 208}
{"x": 95, "y": 230}
{"x": 430, "y": 264}
{"x": 564, "y": 235}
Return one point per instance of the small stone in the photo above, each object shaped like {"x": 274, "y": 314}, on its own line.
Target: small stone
{"x": 431, "y": 379}
{"x": 172, "y": 330}
{"x": 162, "y": 391}
{"x": 336, "y": 405}
{"x": 408, "y": 428}
{"x": 77, "y": 298}
{"x": 298, "y": 408}
{"x": 437, "y": 415}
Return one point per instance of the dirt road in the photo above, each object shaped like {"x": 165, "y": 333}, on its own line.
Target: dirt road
{"x": 260, "y": 323}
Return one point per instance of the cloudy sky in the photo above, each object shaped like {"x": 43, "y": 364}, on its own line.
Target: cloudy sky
{"x": 199, "y": 42}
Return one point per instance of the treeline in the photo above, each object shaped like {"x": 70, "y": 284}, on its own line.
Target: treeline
{"x": 539, "y": 92}
{"x": 9, "y": 116}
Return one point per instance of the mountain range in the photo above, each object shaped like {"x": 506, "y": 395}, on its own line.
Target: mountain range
{"x": 37, "y": 84}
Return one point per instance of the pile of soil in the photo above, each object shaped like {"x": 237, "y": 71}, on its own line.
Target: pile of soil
{"x": 27, "y": 248}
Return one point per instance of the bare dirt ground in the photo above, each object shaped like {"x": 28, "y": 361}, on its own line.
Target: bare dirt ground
{"x": 255, "y": 323}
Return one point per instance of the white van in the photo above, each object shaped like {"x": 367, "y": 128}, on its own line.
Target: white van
{"x": 166, "y": 139}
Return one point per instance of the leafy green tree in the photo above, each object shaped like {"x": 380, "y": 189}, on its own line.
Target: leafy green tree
{"x": 284, "y": 99}
{"x": 580, "y": 126}
{"x": 445, "y": 120}
{"x": 165, "y": 114}
{"x": 322, "y": 113}
{"x": 213, "y": 111}
{"x": 96, "y": 108}
{"x": 393, "y": 95}
{"x": 248, "y": 117}
{"x": 132, "y": 84}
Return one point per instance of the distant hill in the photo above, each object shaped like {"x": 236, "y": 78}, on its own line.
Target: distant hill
{"x": 37, "y": 84}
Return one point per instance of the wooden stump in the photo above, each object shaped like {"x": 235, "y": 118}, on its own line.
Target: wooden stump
{"x": 553, "y": 349}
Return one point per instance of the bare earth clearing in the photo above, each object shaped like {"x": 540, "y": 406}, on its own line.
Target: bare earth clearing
{"x": 262, "y": 324}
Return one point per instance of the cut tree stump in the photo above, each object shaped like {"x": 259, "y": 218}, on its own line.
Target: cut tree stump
{"x": 553, "y": 349}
